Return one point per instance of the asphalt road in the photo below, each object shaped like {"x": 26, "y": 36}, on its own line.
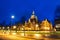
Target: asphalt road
{"x": 22, "y": 36}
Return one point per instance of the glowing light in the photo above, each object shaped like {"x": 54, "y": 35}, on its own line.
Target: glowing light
{"x": 22, "y": 34}
{"x": 36, "y": 25}
{"x": 3, "y": 27}
{"x": 22, "y": 28}
{"x": 46, "y": 28}
{"x": 12, "y": 17}
{"x": 13, "y": 33}
{"x": 37, "y": 35}
{"x": 29, "y": 28}
{"x": 47, "y": 34}
{"x": 14, "y": 27}
{"x": 54, "y": 29}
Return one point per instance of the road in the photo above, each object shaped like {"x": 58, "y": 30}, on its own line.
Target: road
{"x": 12, "y": 37}
{"x": 22, "y": 36}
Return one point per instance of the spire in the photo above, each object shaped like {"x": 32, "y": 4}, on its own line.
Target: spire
{"x": 46, "y": 19}
{"x": 33, "y": 13}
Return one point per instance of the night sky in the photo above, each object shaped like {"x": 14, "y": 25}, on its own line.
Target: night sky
{"x": 43, "y": 9}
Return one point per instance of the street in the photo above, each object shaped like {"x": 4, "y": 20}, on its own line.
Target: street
{"x": 27, "y": 36}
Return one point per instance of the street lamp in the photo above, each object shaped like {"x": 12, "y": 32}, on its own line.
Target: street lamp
{"x": 12, "y": 17}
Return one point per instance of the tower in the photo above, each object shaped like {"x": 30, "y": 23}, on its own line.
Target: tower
{"x": 33, "y": 18}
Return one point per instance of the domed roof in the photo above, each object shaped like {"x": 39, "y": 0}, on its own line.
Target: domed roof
{"x": 33, "y": 15}
{"x": 33, "y": 18}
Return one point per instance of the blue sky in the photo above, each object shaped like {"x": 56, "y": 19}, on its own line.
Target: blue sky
{"x": 43, "y": 9}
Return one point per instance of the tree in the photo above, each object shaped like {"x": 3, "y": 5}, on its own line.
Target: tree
{"x": 23, "y": 18}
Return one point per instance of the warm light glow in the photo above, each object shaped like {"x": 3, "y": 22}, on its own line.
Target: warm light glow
{"x": 13, "y": 33}
{"x": 14, "y": 27}
{"x": 29, "y": 28}
{"x": 22, "y": 28}
{"x": 22, "y": 34}
{"x": 3, "y": 27}
{"x": 36, "y": 25}
{"x": 47, "y": 34}
{"x": 37, "y": 35}
{"x": 54, "y": 29}
{"x": 46, "y": 28}
{"x": 46, "y": 31}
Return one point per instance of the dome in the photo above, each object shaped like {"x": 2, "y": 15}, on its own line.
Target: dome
{"x": 33, "y": 15}
{"x": 33, "y": 18}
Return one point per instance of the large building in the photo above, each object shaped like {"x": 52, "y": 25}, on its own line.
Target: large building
{"x": 46, "y": 26}
{"x": 33, "y": 24}
{"x": 33, "y": 18}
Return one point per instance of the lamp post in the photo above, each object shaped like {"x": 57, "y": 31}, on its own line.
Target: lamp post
{"x": 12, "y": 17}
